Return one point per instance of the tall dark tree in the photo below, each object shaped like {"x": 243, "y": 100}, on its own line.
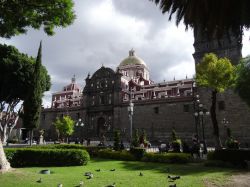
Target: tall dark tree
{"x": 212, "y": 16}
{"x": 33, "y": 101}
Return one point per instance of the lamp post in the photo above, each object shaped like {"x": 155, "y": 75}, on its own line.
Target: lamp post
{"x": 199, "y": 114}
{"x": 225, "y": 122}
{"x": 80, "y": 124}
{"x": 130, "y": 113}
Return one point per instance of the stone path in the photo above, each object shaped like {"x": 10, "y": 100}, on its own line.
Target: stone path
{"x": 237, "y": 180}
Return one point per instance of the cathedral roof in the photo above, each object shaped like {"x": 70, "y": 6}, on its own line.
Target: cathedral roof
{"x": 132, "y": 59}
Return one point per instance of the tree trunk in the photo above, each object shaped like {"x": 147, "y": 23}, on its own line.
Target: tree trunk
{"x": 4, "y": 164}
{"x": 214, "y": 121}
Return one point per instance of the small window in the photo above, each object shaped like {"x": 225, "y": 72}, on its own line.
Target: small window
{"x": 156, "y": 110}
{"x": 221, "y": 105}
{"x": 44, "y": 116}
{"x": 186, "y": 108}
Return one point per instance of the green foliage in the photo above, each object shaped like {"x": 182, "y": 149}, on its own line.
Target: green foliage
{"x": 33, "y": 101}
{"x": 27, "y": 157}
{"x": 231, "y": 143}
{"x": 117, "y": 140}
{"x": 18, "y": 15}
{"x": 118, "y": 155}
{"x": 213, "y": 17}
{"x": 215, "y": 73}
{"x": 65, "y": 126}
{"x": 242, "y": 86}
{"x": 236, "y": 157}
{"x": 138, "y": 152}
{"x": 16, "y": 75}
{"x": 178, "y": 158}
{"x": 135, "y": 142}
{"x": 176, "y": 143}
{"x": 58, "y": 146}
{"x": 143, "y": 138}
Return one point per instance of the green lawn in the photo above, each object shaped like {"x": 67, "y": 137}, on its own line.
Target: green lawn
{"x": 126, "y": 175}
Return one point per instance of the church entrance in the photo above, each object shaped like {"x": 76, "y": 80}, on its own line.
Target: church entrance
{"x": 100, "y": 127}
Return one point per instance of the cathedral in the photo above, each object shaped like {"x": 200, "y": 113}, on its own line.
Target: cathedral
{"x": 126, "y": 99}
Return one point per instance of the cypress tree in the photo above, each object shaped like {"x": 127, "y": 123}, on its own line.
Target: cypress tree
{"x": 33, "y": 101}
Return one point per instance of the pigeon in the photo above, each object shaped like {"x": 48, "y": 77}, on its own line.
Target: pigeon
{"x": 172, "y": 185}
{"x": 112, "y": 170}
{"x": 60, "y": 185}
{"x": 111, "y": 185}
{"x": 90, "y": 176}
{"x": 39, "y": 181}
{"x": 173, "y": 177}
{"x": 98, "y": 170}
{"x": 87, "y": 173}
{"x": 141, "y": 174}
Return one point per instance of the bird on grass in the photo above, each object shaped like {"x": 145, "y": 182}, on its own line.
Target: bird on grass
{"x": 141, "y": 174}
{"x": 39, "y": 181}
{"x": 111, "y": 185}
{"x": 112, "y": 170}
{"x": 173, "y": 177}
{"x": 87, "y": 173}
{"x": 60, "y": 185}
{"x": 98, "y": 170}
{"x": 172, "y": 185}
{"x": 91, "y": 176}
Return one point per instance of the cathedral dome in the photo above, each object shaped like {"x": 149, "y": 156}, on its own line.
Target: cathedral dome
{"x": 132, "y": 59}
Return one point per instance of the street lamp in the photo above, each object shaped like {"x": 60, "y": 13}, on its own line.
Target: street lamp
{"x": 79, "y": 123}
{"x": 130, "y": 113}
{"x": 199, "y": 114}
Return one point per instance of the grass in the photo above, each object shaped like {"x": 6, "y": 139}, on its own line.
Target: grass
{"x": 125, "y": 175}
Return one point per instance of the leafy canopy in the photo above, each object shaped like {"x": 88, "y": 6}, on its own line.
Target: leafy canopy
{"x": 65, "y": 126}
{"x": 216, "y": 73}
{"x": 213, "y": 16}
{"x": 17, "y": 15}
{"x": 16, "y": 74}
{"x": 242, "y": 86}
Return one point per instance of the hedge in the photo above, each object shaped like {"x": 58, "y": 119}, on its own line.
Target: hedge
{"x": 92, "y": 150}
{"x": 179, "y": 158}
{"x": 236, "y": 157}
{"x": 28, "y": 157}
{"x": 119, "y": 155}
{"x": 138, "y": 152}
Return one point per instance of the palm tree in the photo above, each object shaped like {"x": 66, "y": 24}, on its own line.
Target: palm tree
{"x": 214, "y": 16}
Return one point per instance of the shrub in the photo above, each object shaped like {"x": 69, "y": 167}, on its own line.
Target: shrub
{"x": 232, "y": 143}
{"x": 117, "y": 139}
{"x": 27, "y": 157}
{"x": 138, "y": 152}
{"x": 235, "y": 156}
{"x": 179, "y": 158}
{"x": 135, "y": 141}
{"x": 218, "y": 163}
{"x": 119, "y": 155}
{"x": 58, "y": 146}
{"x": 92, "y": 150}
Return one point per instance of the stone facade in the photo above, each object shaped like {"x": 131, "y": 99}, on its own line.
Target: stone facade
{"x": 158, "y": 107}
